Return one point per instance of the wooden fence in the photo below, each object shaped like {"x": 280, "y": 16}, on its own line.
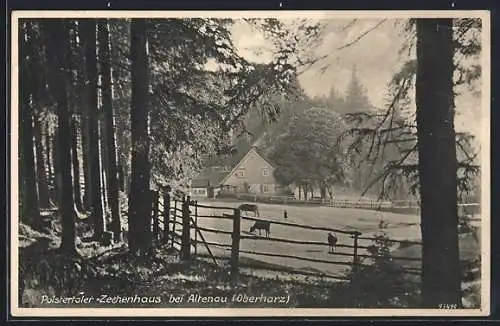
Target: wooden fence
{"x": 174, "y": 218}
{"x": 396, "y": 206}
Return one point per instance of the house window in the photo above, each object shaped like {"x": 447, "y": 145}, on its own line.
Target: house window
{"x": 265, "y": 172}
{"x": 265, "y": 188}
{"x": 240, "y": 173}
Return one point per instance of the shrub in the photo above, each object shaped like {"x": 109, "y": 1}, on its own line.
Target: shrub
{"x": 379, "y": 282}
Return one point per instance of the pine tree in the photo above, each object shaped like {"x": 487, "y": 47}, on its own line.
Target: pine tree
{"x": 107, "y": 93}
{"x": 356, "y": 96}
{"x": 97, "y": 205}
{"x": 31, "y": 209}
{"x": 139, "y": 208}
{"x": 58, "y": 52}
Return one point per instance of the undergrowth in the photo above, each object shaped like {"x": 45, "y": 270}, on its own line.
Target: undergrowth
{"x": 377, "y": 282}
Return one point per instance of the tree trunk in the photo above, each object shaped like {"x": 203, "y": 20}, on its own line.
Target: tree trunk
{"x": 139, "y": 208}
{"x": 96, "y": 200}
{"x": 330, "y": 191}
{"x": 322, "y": 191}
{"x": 107, "y": 104}
{"x": 84, "y": 116}
{"x": 57, "y": 52}
{"x": 121, "y": 177}
{"x": 104, "y": 165}
{"x": 50, "y": 163}
{"x": 39, "y": 91}
{"x": 41, "y": 169}
{"x": 73, "y": 100}
{"x": 57, "y": 169}
{"x": 441, "y": 275}
{"x": 87, "y": 194}
{"x": 76, "y": 164}
{"x": 31, "y": 209}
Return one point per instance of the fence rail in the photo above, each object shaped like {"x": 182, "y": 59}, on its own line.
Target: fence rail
{"x": 302, "y": 226}
{"x": 177, "y": 221}
{"x": 319, "y": 243}
{"x": 173, "y": 219}
{"x": 402, "y": 206}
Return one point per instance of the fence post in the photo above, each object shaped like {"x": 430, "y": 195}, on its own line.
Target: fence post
{"x": 235, "y": 246}
{"x": 195, "y": 228}
{"x": 356, "y": 259}
{"x": 186, "y": 232}
{"x": 156, "y": 216}
{"x": 166, "y": 215}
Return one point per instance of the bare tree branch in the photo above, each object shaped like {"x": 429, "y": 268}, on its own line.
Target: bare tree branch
{"x": 359, "y": 37}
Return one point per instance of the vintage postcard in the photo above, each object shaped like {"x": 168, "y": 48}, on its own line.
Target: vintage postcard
{"x": 241, "y": 163}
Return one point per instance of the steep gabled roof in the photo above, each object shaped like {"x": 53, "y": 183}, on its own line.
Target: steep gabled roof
{"x": 210, "y": 176}
{"x": 215, "y": 175}
{"x": 235, "y": 167}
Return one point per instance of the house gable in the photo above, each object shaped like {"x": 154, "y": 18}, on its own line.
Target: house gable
{"x": 254, "y": 163}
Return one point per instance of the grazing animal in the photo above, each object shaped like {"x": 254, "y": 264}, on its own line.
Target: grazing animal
{"x": 332, "y": 241}
{"x": 261, "y": 225}
{"x": 250, "y": 208}
{"x": 285, "y": 214}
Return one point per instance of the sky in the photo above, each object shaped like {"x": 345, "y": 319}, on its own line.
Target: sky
{"x": 375, "y": 56}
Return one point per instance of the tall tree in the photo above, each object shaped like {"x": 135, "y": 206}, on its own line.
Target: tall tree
{"x": 31, "y": 207}
{"x": 356, "y": 99}
{"x": 58, "y": 51}
{"x": 49, "y": 146}
{"x": 41, "y": 168}
{"x": 39, "y": 100}
{"x": 308, "y": 153}
{"x": 139, "y": 208}
{"x": 84, "y": 113}
{"x": 441, "y": 273}
{"x": 96, "y": 200}
{"x": 107, "y": 106}
{"x": 76, "y": 163}
{"x": 73, "y": 100}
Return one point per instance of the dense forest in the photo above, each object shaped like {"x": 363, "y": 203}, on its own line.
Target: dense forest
{"x": 96, "y": 94}
{"x": 111, "y": 108}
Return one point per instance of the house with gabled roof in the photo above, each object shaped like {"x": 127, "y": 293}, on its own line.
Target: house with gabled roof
{"x": 250, "y": 172}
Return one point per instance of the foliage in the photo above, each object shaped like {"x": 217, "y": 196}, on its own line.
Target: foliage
{"x": 308, "y": 152}
{"x": 193, "y": 107}
{"x": 380, "y": 282}
{"x": 52, "y": 271}
{"x": 121, "y": 274}
{"x": 391, "y": 133}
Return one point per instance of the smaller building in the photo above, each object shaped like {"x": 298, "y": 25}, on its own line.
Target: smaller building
{"x": 207, "y": 183}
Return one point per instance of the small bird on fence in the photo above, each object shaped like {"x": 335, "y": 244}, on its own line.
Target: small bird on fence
{"x": 332, "y": 242}
{"x": 285, "y": 214}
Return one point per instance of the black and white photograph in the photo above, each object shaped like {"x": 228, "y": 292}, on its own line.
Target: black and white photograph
{"x": 250, "y": 163}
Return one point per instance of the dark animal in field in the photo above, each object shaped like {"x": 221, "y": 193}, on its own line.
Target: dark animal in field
{"x": 285, "y": 214}
{"x": 261, "y": 225}
{"x": 250, "y": 208}
{"x": 332, "y": 242}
